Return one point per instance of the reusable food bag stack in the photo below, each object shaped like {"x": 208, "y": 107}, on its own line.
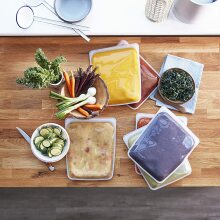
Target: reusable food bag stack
{"x": 160, "y": 149}
{"x": 128, "y": 76}
{"x": 120, "y": 69}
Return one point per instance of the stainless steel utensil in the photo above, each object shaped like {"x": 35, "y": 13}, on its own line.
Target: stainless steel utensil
{"x": 36, "y": 3}
{"x": 25, "y": 18}
{"x": 28, "y": 139}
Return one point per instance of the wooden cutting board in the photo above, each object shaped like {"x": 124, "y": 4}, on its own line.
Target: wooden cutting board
{"x": 30, "y": 108}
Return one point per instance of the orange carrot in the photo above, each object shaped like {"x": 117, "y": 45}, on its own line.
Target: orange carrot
{"x": 83, "y": 112}
{"x": 73, "y": 85}
{"x": 68, "y": 83}
{"x": 94, "y": 107}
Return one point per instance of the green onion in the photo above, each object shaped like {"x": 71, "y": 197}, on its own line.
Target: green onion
{"x": 55, "y": 95}
{"x": 61, "y": 114}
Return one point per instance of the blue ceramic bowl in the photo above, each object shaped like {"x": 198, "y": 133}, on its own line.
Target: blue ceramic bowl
{"x": 72, "y": 10}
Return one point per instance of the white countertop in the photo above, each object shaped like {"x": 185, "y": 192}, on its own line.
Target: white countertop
{"x": 107, "y": 17}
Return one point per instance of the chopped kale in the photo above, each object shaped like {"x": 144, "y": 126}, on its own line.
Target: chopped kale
{"x": 177, "y": 85}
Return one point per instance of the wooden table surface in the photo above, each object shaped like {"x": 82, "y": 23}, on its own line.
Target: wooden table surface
{"x": 28, "y": 109}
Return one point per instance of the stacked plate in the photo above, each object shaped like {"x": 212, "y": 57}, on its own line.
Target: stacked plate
{"x": 160, "y": 149}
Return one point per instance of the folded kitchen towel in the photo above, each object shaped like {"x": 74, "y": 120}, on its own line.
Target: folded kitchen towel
{"x": 192, "y": 67}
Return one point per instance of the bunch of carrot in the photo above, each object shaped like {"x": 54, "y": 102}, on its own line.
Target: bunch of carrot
{"x": 86, "y": 110}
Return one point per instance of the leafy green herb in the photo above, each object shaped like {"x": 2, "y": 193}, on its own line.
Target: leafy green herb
{"x": 41, "y": 59}
{"x": 37, "y": 78}
{"x": 177, "y": 85}
{"x": 56, "y": 62}
{"x": 46, "y": 73}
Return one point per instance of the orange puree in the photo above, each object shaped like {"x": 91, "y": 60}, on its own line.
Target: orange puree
{"x": 120, "y": 70}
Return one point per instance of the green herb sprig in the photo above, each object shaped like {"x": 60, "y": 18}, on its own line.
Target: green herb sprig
{"x": 43, "y": 75}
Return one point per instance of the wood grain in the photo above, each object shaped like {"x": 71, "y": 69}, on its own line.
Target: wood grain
{"x": 110, "y": 203}
{"x": 28, "y": 109}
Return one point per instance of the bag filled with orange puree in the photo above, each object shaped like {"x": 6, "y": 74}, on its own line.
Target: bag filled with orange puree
{"x": 119, "y": 67}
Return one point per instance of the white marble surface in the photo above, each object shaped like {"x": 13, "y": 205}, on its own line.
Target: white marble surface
{"x": 107, "y": 17}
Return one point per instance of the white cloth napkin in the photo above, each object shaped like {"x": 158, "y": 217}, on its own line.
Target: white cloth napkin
{"x": 192, "y": 67}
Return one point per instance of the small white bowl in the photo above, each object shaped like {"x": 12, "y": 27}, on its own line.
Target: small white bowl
{"x": 44, "y": 158}
{"x": 55, "y": 85}
{"x": 72, "y": 10}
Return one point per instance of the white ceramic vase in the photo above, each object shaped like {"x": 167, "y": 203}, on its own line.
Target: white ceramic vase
{"x": 158, "y": 10}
